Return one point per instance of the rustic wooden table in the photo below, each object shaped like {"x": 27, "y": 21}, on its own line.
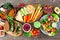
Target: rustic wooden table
{"x": 42, "y": 36}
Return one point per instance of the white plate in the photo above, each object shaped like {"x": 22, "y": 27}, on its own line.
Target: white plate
{"x": 43, "y": 31}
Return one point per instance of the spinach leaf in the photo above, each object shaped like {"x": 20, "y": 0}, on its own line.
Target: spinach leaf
{"x": 28, "y": 34}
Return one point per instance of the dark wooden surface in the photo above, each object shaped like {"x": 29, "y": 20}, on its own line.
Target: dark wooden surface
{"x": 42, "y": 36}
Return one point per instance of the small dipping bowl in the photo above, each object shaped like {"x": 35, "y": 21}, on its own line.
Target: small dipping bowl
{"x": 26, "y": 27}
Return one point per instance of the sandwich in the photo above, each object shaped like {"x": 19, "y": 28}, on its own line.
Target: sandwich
{"x": 8, "y": 9}
{"x": 17, "y": 28}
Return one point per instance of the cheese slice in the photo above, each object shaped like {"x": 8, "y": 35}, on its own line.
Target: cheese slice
{"x": 19, "y": 16}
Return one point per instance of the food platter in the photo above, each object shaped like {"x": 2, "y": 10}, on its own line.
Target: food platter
{"x": 31, "y": 13}
{"x": 44, "y": 18}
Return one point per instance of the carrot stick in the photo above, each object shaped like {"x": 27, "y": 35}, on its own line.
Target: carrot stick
{"x": 28, "y": 18}
{"x": 34, "y": 14}
{"x": 39, "y": 14}
{"x": 25, "y": 18}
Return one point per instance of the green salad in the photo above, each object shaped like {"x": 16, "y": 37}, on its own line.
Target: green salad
{"x": 49, "y": 24}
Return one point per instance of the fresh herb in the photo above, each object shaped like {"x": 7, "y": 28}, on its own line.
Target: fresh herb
{"x": 48, "y": 27}
{"x": 28, "y": 34}
{"x": 44, "y": 21}
{"x": 41, "y": 27}
{"x": 19, "y": 27}
{"x": 7, "y": 6}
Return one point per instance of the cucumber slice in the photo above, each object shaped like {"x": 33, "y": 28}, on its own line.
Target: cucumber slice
{"x": 37, "y": 24}
{"x": 54, "y": 24}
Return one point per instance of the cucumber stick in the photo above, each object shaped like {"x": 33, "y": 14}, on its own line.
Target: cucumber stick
{"x": 23, "y": 10}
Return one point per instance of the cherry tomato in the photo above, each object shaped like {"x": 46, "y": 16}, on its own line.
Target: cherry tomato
{"x": 1, "y": 27}
{"x": 35, "y": 32}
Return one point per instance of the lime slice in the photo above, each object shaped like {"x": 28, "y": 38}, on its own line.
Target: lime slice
{"x": 37, "y": 24}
